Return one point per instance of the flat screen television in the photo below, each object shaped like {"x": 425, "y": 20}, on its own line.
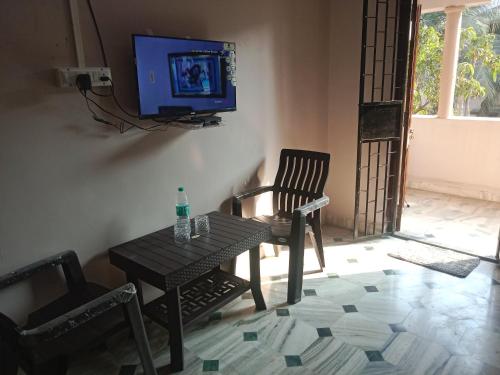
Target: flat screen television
{"x": 177, "y": 77}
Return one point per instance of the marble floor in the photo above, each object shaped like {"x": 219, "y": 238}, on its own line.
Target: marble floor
{"x": 367, "y": 313}
{"x": 466, "y": 224}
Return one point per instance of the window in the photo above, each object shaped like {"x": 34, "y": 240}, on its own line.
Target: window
{"x": 428, "y": 64}
{"x": 477, "y": 90}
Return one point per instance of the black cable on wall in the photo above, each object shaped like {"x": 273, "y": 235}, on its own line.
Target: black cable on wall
{"x": 103, "y": 53}
{"x": 160, "y": 126}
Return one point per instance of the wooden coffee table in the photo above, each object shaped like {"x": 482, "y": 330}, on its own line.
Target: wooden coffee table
{"x": 189, "y": 273}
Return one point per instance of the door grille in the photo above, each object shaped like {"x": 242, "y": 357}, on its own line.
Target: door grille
{"x": 384, "y": 62}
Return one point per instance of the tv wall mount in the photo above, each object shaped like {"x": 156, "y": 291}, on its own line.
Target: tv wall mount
{"x": 193, "y": 122}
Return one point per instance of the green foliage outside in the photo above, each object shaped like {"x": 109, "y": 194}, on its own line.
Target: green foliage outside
{"x": 478, "y": 63}
{"x": 430, "y": 50}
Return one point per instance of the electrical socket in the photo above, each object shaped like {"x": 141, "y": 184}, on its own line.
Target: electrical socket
{"x": 66, "y": 77}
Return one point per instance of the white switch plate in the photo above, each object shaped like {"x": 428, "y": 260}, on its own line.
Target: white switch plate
{"x": 66, "y": 77}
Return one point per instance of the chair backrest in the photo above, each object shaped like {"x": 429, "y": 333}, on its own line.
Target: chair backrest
{"x": 300, "y": 179}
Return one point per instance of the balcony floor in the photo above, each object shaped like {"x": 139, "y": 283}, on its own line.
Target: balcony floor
{"x": 466, "y": 224}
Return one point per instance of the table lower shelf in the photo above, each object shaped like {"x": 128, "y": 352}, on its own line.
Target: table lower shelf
{"x": 200, "y": 297}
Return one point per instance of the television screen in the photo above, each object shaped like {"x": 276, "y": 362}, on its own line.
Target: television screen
{"x": 184, "y": 76}
{"x": 196, "y": 74}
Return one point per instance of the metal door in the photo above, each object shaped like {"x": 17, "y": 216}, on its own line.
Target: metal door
{"x": 384, "y": 70}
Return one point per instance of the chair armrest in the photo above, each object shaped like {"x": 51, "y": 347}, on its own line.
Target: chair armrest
{"x": 252, "y": 193}
{"x": 237, "y": 198}
{"x": 67, "y": 259}
{"x": 299, "y": 217}
{"x": 75, "y": 318}
{"x": 312, "y": 206}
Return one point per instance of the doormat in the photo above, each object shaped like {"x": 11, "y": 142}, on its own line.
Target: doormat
{"x": 438, "y": 259}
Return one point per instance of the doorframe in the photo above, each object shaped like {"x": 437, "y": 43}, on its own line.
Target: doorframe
{"x": 407, "y": 130}
{"x": 407, "y": 134}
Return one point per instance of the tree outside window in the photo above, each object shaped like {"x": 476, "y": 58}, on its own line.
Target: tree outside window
{"x": 477, "y": 91}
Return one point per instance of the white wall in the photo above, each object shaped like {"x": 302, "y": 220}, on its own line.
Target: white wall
{"x": 67, "y": 182}
{"x": 458, "y": 156}
{"x": 345, "y": 54}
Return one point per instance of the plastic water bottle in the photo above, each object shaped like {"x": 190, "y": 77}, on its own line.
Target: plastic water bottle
{"x": 182, "y": 228}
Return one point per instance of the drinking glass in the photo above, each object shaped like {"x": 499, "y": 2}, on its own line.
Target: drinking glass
{"x": 201, "y": 224}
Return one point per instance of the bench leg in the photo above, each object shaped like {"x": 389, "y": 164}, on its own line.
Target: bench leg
{"x": 141, "y": 339}
{"x": 138, "y": 287}
{"x": 260, "y": 304}
{"x": 8, "y": 360}
{"x": 175, "y": 329}
{"x": 56, "y": 366}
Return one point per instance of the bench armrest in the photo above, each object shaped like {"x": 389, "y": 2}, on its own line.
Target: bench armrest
{"x": 75, "y": 318}
{"x": 9, "y": 331}
{"x": 125, "y": 295}
{"x": 67, "y": 259}
{"x": 237, "y": 198}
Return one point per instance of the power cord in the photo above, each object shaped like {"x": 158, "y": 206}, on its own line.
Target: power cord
{"x": 96, "y": 26}
{"x": 96, "y": 117}
{"x": 120, "y": 127}
{"x": 115, "y": 98}
{"x": 87, "y": 88}
{"x": 99, "y": 94}
{"x": 112, "y": 94}
{"x": 105, "y": 60}
{"x": 83, "y": 84}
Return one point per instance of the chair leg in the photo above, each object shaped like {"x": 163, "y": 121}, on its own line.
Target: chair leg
{"x": 276, "y": 250}
{"x": 231, "y": 268}
{"x": 498, "y": 245}
{"x": 141, "y": 340}
{"x": 318, "y": 240}
{"x": 315, "y": 246}
{"x": 296, "y": 260}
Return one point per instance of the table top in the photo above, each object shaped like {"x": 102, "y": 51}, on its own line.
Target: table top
{"x": 157, "y": 259}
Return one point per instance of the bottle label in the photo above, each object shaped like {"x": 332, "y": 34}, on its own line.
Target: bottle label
{"x": 183, "y": 210}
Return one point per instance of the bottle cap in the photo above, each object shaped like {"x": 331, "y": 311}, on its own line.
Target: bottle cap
{"x": 181, "y": 188}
